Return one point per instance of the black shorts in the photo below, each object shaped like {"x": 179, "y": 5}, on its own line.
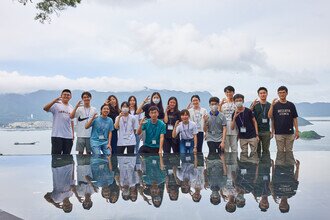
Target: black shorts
{"x": 61, "y": 145}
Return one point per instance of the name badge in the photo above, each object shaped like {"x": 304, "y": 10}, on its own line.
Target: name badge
{"x": 264, "y": 120}
{"x": 243, "y": 171}
{"x": 212, "y": 132}
{"x": 170, "y": 127}
{"x": 265, "y": 178}
{"x": 188, "y": 144}
{"x": 243, "y": 129}
{"x": 188, "y": 158}
{"x": 153, "y": 142}
{"x": 154, "y": 162}
{"x": 170, "y": 172}
{"x": 101, "y": 137}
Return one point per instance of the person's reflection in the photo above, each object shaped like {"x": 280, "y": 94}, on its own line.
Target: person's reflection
{"x": 197, "y": 181}
{"x": 103, "y": 172}
{"x": 153, "y": 179}
{"x": 63, "y": 182}
{"x": 84, "y": 188}
{"x": 184, "y": 173}
{"x": 284, "y": 179}
{"x": 171, "y": 162}
{"x": 128, "y": 177}
{"x": 228, "y": 191}
{"x": 247, "y": 175}
{"x": 262, "y": 187}
{"x": 215, "y": 176}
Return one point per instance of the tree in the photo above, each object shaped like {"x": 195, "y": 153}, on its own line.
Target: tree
{"x": 48, "y": 7}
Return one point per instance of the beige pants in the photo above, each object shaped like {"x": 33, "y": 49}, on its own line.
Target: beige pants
{"x": 284, "y": 142}
{"x": 231, "y": 143}
{"x": 246, "y": 142}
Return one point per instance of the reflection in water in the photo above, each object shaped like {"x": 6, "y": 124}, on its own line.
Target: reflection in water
{"x": 228, "y": 177}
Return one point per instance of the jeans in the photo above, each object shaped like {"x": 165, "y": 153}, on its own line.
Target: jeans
{"x": 186, "y": 146}
{"x": 101, "y": 149}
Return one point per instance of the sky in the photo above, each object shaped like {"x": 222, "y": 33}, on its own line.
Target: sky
{"x": 186, "y": 45}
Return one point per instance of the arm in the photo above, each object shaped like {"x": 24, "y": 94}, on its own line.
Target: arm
{"x": 233, "y": 122}
{"x": 49, "y": 105}
{"x": 117, "y": 120}
{"x": 256, "y": 127}
{"x": 223, "y": 141}
{"x": 166, "y": 115}
{"x": 174, "y": 132}
{"x": 296, "y": 174}
{"x": 270, "y": 112}
{"x": 195, "y": 143}
{"x": 140, "y": 110}
{"x": 206, "y": 123}
{"x": 139, "y": 130}
{"x": 89, "y": 123}
{"x": 161, "y": 143}
{"x": 253, "y": 104}
{"x": 72, "y": 126}
{"x": 109, "y": 140}
{"x": 73, "y": 113}
{"x": 295, "y": 124}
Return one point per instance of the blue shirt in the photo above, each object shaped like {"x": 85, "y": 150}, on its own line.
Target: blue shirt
{"x": 100, "y": 131}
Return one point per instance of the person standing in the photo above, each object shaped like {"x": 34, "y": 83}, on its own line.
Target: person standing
{"x": 126, "y": 124}
{"x": 215, "y": 127}
{"x": 155, "y": 100}
{"x": 247, "y": 125}
{"x": 82, "y": 112}
{"x": 260, "y": 108}
{"x": 196, "y": 115}
{"x": 172, "y": 114}
{"x": 132, "y": 109}
{"x": 112, "y": 101}
{"x": 227, "y": 107}
{"x": 285, "y": 117}
{"x": 62, "y": 129}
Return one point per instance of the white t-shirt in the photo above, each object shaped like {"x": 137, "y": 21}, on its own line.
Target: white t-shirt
{"x": 187, "y": 131}
{"x": 61, "y": 120}
{"x": 128, "y": 176}
{"x": 228, "y": 110}
{"x": 83, "y": 115}
{"x": 196, "y": 115}
{"x": 62, "y": 182}
{"x": 137, "y": 116}
{"x": 126, "y": 134}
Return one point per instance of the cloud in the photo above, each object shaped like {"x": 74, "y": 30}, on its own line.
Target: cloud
{"x": 185, "y": 45}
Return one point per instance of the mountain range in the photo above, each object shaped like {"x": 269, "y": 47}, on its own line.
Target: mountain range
{"x": 20, "y": 107}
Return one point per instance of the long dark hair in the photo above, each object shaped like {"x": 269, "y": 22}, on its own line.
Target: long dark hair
{"x": 176, "y": 108}
{"x": 135, "y": 106}
{"x": 160, "y": 104}
{"x": 116, "y": 108}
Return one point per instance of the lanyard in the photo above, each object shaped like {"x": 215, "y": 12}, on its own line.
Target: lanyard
{"x": 242, "y": 121}
{"x": 185, "y": 130}
{"x": 213, "y": 121}
{"x": 263, "y": 109}
{"x": 89, "y": 111}
{"x": 125, "y": 122}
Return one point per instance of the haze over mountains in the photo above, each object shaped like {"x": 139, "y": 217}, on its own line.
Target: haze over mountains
{"x": 18, "y": 107}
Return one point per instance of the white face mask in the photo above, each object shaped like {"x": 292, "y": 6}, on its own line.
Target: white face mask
{"x": 125, "y": 110}
{"x": 214, "y": 108}
{"x": 156, "y": 100}
{"x": 239, "y": 104}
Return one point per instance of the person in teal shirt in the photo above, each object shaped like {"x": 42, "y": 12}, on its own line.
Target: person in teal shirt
{"x": 155, "y": 130}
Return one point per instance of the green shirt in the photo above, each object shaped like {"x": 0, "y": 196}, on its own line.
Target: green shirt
{"x": 260, "y": 112}
{"x": 153, "y": 132}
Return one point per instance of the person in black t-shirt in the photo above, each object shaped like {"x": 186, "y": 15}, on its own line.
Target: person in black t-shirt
{"x": 246, "y": 124}
{"x": 172, "y": 114}
{"x": 156, "y": 100}
{"x": 285, "y": 117}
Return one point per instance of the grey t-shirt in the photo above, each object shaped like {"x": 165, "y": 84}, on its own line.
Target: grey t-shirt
{"x": 215, "y": 127}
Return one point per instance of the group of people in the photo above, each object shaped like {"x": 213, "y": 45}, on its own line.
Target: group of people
{"x": 120, "y": 128}
{"x": 224, "y": 178}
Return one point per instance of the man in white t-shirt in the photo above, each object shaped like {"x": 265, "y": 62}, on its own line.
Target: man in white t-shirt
{"x": 83, "y": 112}
{"x": 62, "y": 130}
{"x": 227, "y": 107}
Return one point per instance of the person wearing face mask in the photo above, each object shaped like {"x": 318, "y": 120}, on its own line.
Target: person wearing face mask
{"x": 156, "y": 100}
{"x": 215, "y": 127}
{"x": 126, "y": 124}
{"x": 247, "y": 125}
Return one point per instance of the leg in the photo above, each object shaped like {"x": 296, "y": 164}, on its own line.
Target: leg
{"x": 67, "y": 145}
{"x": 253, "y": 144}
{"x": 234, "y": 147}
{"x": 114, "y": 140}
{"x": 96, "y": 150}
{"x": 80, "y": 145}
{"x": 280, "y": 142}
{"x": 137, "y": 143}
{"x": 182, "y": 147}
{"x": 227, "y": 143}
{"x": 121, "y": 149}
{"x": 56, "y": 145}
{"x": 289, "y": 142}
{"x": 200, "y": 140}
{"x": 130, "y": 149}
{"x": 176, "y": 146}
{"x": 167, "y": 145}
{"x": 244, "y": 143}
{"x": 105, "y": 150}
{"x": 265, "y": 141}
